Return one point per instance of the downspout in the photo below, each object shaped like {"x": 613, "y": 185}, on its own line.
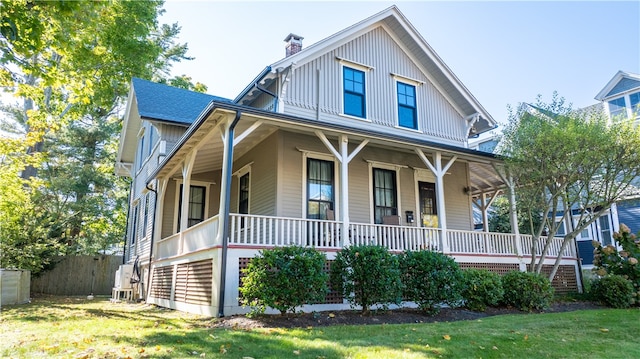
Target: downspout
{"x": 124, "y": 248}
{"x": 153, "y": 231}
{"x": 225, "y": 215}
{"x": 275, "y": 97}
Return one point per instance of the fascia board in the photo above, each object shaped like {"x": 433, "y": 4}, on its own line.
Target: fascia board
{"x": 129, "y": 120}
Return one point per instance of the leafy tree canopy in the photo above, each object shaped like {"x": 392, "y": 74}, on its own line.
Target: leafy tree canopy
{"x": 564, "y": 160}
{"x": 70, "y": 76}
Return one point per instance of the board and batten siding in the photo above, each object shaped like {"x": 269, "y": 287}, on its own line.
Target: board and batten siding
{"x": 318, "y": 82}
{"x": 458, "y": 205}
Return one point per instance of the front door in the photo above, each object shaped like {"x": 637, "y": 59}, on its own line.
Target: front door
{"x": 428, "y": 209}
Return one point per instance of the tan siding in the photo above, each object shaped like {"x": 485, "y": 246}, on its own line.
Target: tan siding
{"x": 320, "y": 79}
{"x": 359, "y": 198}
{"x": 458, "y": 204}
{"x": 168, "y": 211}
{"x": 262, "y": 194}
{"x": 292, "y": 163}
{"x": 213, "y": 178}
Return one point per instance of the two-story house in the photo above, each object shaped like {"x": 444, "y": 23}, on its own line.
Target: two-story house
{"x": 360, "y": 138}
{"x": 620, "y": 99}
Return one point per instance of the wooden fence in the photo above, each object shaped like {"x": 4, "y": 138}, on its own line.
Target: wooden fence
{"x": 76, "y": 275}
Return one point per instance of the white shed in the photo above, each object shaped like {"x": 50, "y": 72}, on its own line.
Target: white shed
{"x": 15, "y": 286}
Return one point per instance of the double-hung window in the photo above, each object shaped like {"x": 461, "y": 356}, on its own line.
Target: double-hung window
{"x": 243, "y": 196}
{"x": 385, "y": 200}
{"x": 407, "y": 114}
{"x": 617, "y": 109}
{"x": 354, "y": 92}
{"x": 197, "y": 197}
{"x": 320, "y": 188}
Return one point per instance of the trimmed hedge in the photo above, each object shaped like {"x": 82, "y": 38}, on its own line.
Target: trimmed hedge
{"x": 430, "y": 278}
{"x": 613, "y": 290}
{"x": 367, "y": 276}
{"x": 527, "y": 291}
{"x": 284, "y": 278}
{"x": 482, "y": 288}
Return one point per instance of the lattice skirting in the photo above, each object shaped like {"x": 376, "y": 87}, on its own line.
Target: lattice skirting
{"x": 564, "y": 282}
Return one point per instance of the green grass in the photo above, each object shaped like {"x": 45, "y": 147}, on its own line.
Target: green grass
{"x": 78, "y": 328}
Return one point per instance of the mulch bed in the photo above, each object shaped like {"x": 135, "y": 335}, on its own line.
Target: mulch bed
{"x": 398, "y": 316}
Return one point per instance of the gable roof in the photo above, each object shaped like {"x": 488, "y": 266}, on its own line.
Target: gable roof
{"x": 156, "y": 102}
{"x": 620, "y": 83}
{"x": 397, "y": 25}
{"x": 167, "y": 103}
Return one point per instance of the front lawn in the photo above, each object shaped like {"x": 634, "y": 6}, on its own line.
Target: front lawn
{"x": 78, "y": 328}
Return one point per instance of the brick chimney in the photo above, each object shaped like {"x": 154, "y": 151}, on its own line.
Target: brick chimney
{"x": 294, "y": 44}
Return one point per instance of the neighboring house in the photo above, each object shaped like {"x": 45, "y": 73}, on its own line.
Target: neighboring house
{"x": 620, "y": 99}
{"x": 360, "y": 138}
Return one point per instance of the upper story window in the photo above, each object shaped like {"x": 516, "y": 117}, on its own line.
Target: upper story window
{"x": 354, "y": 92}
{"x": 153, "y": 138}
{"x": 141, "y": 154}
{"x": 617, "y": 108}
{"x": 634, "y": 101}
{"x": 407, "y": 113}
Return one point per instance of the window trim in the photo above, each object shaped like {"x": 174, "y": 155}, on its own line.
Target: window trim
{"x": 359, "y": 67}
{"x": 396, "y": 190}
{"x": 207, "y": 197}
{"x": 336, "y": 173}
{"x": 416, "y": 119}
{"x": 245, "y": 170}
{"x": 145, "y": 215}
{"x": 628, "y": 112}
{"x": 385, "y": 166}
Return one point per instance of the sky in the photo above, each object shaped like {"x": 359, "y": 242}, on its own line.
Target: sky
{"x": 504, "y": 52}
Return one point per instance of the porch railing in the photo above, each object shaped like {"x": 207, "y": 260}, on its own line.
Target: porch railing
{"x": 283, "y": 231}
{"x": 200, "y": 236}
{"x": 396, "y": 238}
{"x": 481, "y": 242}
{"x": 554, "y": 247}
{"x": 267, "y": 231}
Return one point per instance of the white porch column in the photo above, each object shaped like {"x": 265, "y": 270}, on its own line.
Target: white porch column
{"x": 344, "y": 186}
{"x": 223, "y": 178}
{"x": 439, "y": 171}
{"x": 344, "y": 157}
{"x": 187, "y": 167}
{"x": 161, "y": 188}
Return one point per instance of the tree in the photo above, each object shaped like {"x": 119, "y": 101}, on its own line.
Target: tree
{"x": 71, "y": 74}
{"x": 565, "y": 161}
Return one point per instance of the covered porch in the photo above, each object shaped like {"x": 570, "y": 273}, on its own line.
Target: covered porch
{"x": 257, "y": 191}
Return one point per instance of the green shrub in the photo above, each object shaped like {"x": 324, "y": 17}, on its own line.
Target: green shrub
{"x": 526, "y": 290}
{"x": 481, "y": 289}
{"x": 613, "y": 290}
{"x": 608, "y": 260}
{"x": 367, "y": 275}
{"x": 430, "y": 278}
{"x": 284, "y": 278}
